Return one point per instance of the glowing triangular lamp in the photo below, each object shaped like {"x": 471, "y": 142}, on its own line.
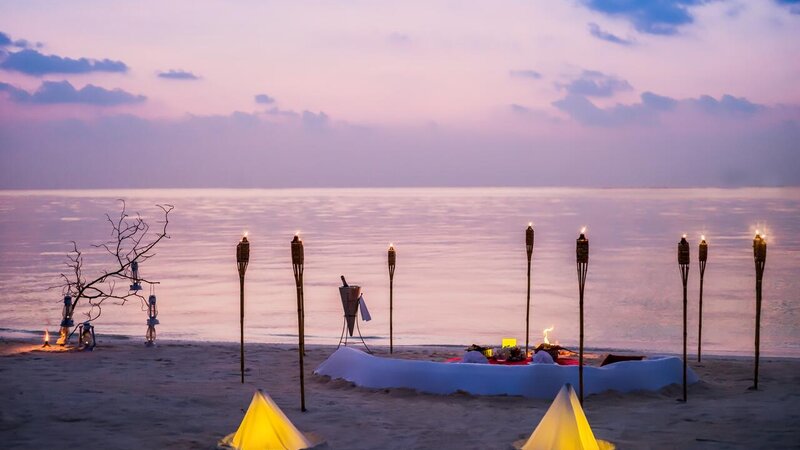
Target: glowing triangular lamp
{"x": 564, "y": 427}
{"x": 265, "y": 427}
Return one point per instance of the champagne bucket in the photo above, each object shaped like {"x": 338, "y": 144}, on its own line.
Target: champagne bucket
{"x": 350, "y": 295}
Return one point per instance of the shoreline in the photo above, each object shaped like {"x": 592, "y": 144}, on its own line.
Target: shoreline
{"x": 8, "y": 334}
{"x": 183, "y": 394}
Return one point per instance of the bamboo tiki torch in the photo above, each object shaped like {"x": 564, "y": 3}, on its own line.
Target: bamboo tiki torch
{"x": 683, "y": 264}
{"x": 242, "y": 258}
{"x": 297, "y": 265}
{"x": 392, "y": 261}
{"x": 760, "y": 258}
{"x": 582, "y": 253}
{"x": 529, "y": 249}
{"x": 702, "y": 257}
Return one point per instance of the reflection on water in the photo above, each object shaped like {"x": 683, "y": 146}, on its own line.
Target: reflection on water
{"x": 461, "y": 263}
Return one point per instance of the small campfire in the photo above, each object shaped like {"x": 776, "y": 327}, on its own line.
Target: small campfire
{"x": 553, "y": 349}
{"x": 46, "y": 339}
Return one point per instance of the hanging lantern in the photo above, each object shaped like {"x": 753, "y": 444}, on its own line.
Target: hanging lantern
{"x": 66, "y": 321}
{"x": 152, "y": 321}
{"x": 137, "y": 285}
{"x": 87, "y": 338}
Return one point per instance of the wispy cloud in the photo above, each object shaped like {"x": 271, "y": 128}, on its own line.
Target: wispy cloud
{"x": 793, "y": 5}
{"x": 531, "y": 74}
{"x": 314, "y": 121}
{"x": 663, "y": 17}
{"x": 55, "y": 92}
{"x": 651, "y": 105}
{"x": 591, "y": 83}
{"x": 178, "y": 75}
{"x": 726, "y": 105}
{"x": 398, "y": 39}
{"x": 31, "y": 62}
{"x": 264, "y": 99}
{"x": 599, "y": 33}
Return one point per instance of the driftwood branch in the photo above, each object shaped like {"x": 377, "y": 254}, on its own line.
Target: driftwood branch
{"x": 131, "y": 240}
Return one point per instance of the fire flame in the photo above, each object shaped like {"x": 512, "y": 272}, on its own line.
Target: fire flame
{"x": 684, "y": 235}
{"x": 530, "y": 224}
{"x": 702, "y": 237}
{"x": 246, "y": 233}
{"x": 46, "y": 336}
{"x": 583, "y": 230}
{"x": 545, "y": 332}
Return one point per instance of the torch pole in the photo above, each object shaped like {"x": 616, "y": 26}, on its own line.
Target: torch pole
{"x": 392, "y": 262}
{"x": 582, "y": 252}
{"x": 297, "y": 266}
{"x": 241, "y": 323}
{"x": 529, "y": 250}
{"x": 242, "y": 259}
{"x": 703, "y": 257}
{"x": 683, "y": 264}
{"x": 760, "y": 258}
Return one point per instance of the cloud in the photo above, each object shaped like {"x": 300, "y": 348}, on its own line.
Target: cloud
{"x": 662, "y": 17}
{"x": 6, "y": 41}
{"x": 178, "y": 75}
{"x": 399, "y": 39}
{"x": 592, "y": 83}
{"x": 55, "y": 92}
{"x": 314, "y": 121}
{"x": 32, "y": 62}
{"x": 264, "y": 99}
{"x": 599, "y": 33}
{"x": 208, "y": 151}
{"x": 794, "y": 5}
{"x": 275, "y": 111}
{"x": 658, "y": 102}
{"x": 726, "y": 105}
{"x": 532, "y": 74}
{"x": 584, "y": 111}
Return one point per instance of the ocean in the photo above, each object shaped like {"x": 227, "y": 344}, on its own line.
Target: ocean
{"x": 461, "y": 264}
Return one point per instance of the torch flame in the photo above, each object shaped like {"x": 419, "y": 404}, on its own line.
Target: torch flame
{"x": 246, "y": 233}
{"x": 684, "y": 235}
{"x": 545, "y": 332}
{"x": 530, "y": 224}
{"x": 757, "y": 232}
{"x": 702, "y": 237}
{"x": 46, "y": 336}
{"x": 583, "y": 230}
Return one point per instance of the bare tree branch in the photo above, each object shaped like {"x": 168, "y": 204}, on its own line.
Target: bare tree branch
{"x": 130, "y": 242}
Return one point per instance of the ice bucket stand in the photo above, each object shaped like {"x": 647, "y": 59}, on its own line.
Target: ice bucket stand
{"x": 350, "y": 295}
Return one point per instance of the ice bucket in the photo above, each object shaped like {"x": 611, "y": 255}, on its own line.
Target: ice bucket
{"x": 350, "y": 296}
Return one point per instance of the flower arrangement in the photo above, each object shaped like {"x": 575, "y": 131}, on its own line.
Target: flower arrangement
{"x": 510, "y": 354}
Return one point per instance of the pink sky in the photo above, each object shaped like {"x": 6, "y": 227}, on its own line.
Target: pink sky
{"x": 460, "y": 70}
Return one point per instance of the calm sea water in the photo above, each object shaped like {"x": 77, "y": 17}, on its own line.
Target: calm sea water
{"x": 461, "y": 263}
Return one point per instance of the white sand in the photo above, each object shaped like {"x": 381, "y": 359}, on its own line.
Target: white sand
{"x": 188, "y": 395}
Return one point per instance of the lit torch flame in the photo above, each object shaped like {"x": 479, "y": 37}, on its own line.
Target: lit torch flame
{"x": 583, "y": 230}
{"x": 46, "y": 338}
{"x": 545, "y": 332}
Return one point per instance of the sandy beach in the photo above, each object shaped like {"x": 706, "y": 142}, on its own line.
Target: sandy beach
{"x": 188, "y": 395}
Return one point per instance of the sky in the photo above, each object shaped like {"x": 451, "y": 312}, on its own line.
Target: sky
{"x": 207, "y": 94}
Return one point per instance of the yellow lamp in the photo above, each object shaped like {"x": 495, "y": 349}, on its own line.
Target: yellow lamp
{"x": 509, "y": 342}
